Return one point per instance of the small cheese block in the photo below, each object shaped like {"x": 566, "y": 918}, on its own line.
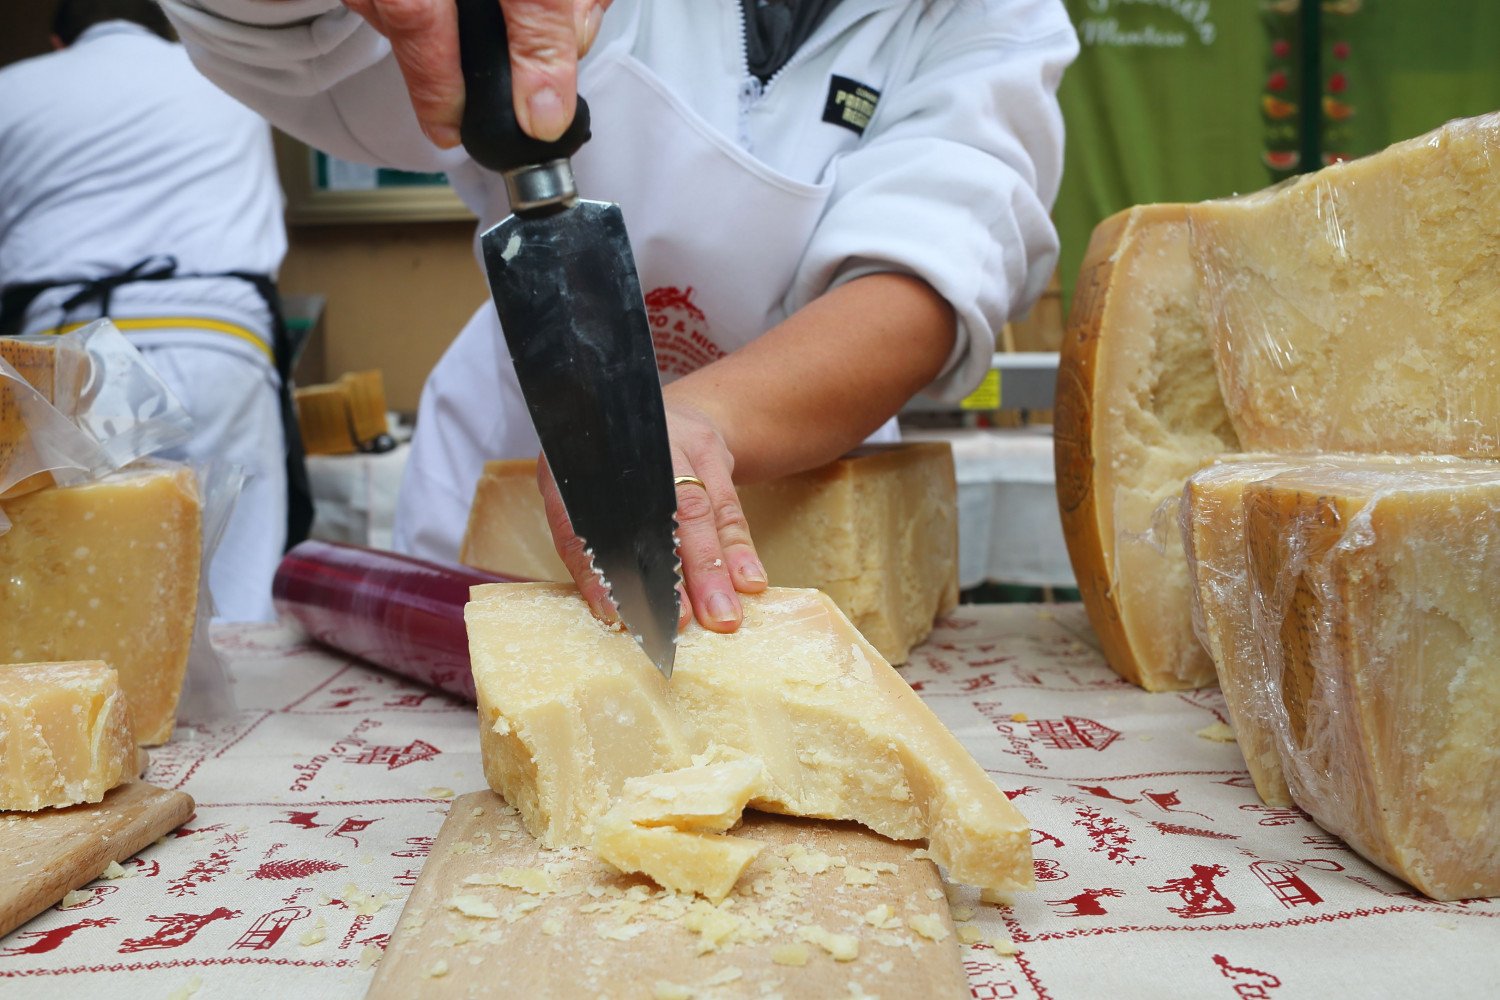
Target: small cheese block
{"x": 877, "y": 531}
{"x": 1375, "y": 591}
{"x": 108, "y": 570}
{"x": 708, "y": 798}
{"x": 570, "y": 709}
{"x": 1138, "y": 411}
{"x": 1354, "y": 308}
{"x": 706, "y": 863}
{"x": 64, "y": 734}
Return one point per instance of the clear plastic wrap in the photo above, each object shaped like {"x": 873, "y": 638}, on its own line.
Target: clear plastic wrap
{"x": 206, "y": 690}
{"x": 397, "y": 612}
{"x": 78, "y": 406}
{"x": 1354, "y": 309}
{"x": 1371, "y": 585}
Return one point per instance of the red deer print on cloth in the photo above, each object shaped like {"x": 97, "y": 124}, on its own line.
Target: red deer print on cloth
{"x": 1099, "y": 791}
{"x": 1200, "y": 895}
{"x": 268, "y": 929}
{"x": 1086, "y": 903}
{"x": 300, "y": 819}
{"x": 680, "y": 332}
{"x": 176, "y": 929}
{"x": 48, "y": 940}
{"x": 1252, "y": 984}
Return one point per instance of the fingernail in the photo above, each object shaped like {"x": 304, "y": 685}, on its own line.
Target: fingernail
{"x": 590, "y": 31}
{"x": 751, "y": 571}
{"x": 721, "y": 608}
{"x": 684, "y": 609}
{"x": 442, "y": 136}
{"x": 547, "y": 121}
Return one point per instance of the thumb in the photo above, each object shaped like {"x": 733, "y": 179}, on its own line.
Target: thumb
{"x": 544, "y": 64}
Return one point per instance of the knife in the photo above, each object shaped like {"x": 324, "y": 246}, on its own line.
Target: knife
{"x": 564, "y": 282}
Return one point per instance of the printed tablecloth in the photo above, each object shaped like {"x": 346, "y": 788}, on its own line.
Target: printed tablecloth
{"x": 1160, "y": 872}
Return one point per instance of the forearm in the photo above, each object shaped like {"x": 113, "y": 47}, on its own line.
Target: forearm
{"x": 826, "y": 378}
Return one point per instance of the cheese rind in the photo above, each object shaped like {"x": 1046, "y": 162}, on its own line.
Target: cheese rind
{"x": 108, "y": 570}
{"x": 877, "y": 531}
{"x": 1354, "y": 308}
{"x": 64, "y": 734}
{"x": 1138, "y": 411}
{"x": 1374, "y": 599}
{"x": 569, "y": 710}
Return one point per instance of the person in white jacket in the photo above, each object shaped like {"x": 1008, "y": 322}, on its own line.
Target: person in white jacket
{"x": 130, "y": 186}
{"x": 833, "y": 205}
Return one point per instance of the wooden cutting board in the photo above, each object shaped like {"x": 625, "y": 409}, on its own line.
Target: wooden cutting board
{"x": 46, "y": 854}
{"x": 590, "y": 933}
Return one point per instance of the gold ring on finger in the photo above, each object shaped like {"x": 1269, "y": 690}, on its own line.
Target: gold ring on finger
{"x": 694, "y": 480}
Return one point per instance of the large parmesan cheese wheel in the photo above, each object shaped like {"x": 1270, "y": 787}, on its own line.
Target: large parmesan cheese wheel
{"x": 1358, "y": 308}
{"x": 1374, "y": 589}
{"x": 1138, "y": 411}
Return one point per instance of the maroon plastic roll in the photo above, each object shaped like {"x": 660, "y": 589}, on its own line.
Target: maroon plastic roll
{"x": 397, "y": 612}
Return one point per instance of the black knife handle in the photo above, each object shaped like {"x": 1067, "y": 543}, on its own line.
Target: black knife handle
{"x": 491, "y": 135}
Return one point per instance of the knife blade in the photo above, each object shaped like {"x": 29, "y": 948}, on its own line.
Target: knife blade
{"x": 564, "y": 282}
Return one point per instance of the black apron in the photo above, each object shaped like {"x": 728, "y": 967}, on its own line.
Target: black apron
{"x": 16, "y": 299}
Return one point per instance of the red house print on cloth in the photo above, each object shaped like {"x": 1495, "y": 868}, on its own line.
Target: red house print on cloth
{"x": 394, "y": 757}
{"x": 1072, "y": 733}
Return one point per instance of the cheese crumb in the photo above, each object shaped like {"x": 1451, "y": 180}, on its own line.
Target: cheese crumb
{"x": 552, "y": 927}
{"x": 623, "y": 932}
{"x": 935, "y": 894}
{"x": 843, "y": 947}
{"x": 670, "y": 991}
{"x": 929, "y": 925}
{"x": 728, "y": 974}
{"x": 529, "y": 880}
{"x": 1003, "y": 945}
{"x": 1217, "y": 732}
{"x": 440, "y": 792}
{"x": 790, "y": 954}
{"x": 879, "y": 916}
{"x": 473, "y": 906}
{"x": 1018, "y": 717}
{"x": 436, "y": 970}
{"x": 477, "y": 811}
{"x": 969, "y": 934}
{"x": 962, "y": 913}
{"x": 857, "y": 875}
{"x": 995, "y": 897}
{"x": 75, "y": 897}
{"x": 113, "y": 870}
{"x": 366, "y": 904}
{"x": 369, "y": 956}
{"x": 186, "y": 990}
{"x": 313, "y": 935}
{"x": 809, "y": 862}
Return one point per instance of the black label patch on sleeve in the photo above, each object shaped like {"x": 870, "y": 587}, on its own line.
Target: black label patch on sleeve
{"x": 850, "y": 104}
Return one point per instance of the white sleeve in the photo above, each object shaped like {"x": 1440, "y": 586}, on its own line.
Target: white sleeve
{"x": 954, "y": 179}
{"x": 315, "y": 70}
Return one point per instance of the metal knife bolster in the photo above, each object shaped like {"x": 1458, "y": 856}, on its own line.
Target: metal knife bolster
{"x": 538, "y": 188}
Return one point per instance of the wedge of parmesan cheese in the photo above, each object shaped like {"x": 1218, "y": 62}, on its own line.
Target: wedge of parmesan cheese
{"x": 570, "y": 710}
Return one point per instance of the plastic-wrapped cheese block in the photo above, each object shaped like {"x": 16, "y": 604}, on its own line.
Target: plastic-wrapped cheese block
{"x": 35, "y": 364}
{"x": 1213, "y": 535}
{"x": 1354, "y": 308}
{"x": 1375, "y": 591}
{"x": 64, "y": 734}
{"x": 877, "y": 531}
{"x": 570, "y": 709}
{"x": 1138, "y": 411}
{"x": 108, "y": 570}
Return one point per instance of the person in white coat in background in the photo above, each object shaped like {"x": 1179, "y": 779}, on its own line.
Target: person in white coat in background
{"x": 833, "y": 205}
{"x": 130, "y": 186}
